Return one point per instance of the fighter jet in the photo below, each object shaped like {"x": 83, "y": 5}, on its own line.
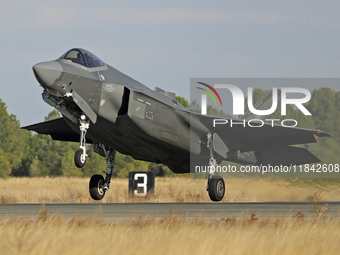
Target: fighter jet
{"x": 102, "y": 106}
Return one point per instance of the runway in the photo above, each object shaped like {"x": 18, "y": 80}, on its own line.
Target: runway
{"x": 119, "y": 211}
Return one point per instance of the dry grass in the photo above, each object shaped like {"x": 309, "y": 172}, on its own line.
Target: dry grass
{"x": 173, "y": 234}
{"x": 75, "y": 190}
{"x": 169, "y": 235}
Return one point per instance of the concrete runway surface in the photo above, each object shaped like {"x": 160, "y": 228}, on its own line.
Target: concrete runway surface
{"x": 119, "y": 211}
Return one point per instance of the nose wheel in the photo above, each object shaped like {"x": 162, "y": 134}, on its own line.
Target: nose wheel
{"x": 80, "y": 155}
{"x": 79, "y": 159}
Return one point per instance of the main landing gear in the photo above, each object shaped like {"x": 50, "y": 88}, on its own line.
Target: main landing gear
{"x": 80, "y": 155}
{"x": 99, "y": 185}
{"x": 215, "y": 185}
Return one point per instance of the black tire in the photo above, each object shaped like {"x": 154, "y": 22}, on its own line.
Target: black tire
{"x": 78, "y": 161}
{"x": 216, "y": 188}
{"x": 96, "y": 184}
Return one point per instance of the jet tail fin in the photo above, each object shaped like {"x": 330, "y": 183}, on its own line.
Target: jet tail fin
{"x": 263, "y": 104}
{"x": 166, "y": 93}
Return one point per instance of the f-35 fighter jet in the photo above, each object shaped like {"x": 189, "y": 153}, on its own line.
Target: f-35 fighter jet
{"x": 117, "y": 113}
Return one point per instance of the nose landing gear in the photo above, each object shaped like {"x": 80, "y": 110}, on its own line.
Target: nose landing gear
{"x": 80, "y": 155}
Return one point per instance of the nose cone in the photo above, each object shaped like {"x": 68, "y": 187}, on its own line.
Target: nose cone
{"x": 47, "y": 73}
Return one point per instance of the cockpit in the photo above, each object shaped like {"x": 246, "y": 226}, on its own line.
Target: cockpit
{"x": 83, "y": 57}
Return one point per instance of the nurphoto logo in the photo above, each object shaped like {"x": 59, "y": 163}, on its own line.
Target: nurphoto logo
{"x": 239, "y": 102}
{"x": 238, "y": 99}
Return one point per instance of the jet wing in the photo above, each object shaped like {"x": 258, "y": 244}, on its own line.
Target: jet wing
{"x": 287, "y": 155}
{"x": 241, "y": 136}
{"x": 58, "y": 129}
{"x": 266, "y": 144}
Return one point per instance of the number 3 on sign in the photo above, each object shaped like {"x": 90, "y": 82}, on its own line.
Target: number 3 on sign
{"x": 141, "y": 185}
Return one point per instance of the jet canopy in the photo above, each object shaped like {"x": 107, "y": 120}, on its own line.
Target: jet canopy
{"x": 82, "y": 57}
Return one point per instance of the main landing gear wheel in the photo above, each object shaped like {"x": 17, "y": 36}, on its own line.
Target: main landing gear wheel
{"x": 99, "y": 185}
{"x": 97, "y": 191}
{"x": 216, "y": 188}
{"x": 79, "y": 159}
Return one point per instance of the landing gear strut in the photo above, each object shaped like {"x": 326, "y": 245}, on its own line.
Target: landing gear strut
{"x": 99, "y": 185}
{"x": 215, "y": 186}
{"x": 80, "y": 155}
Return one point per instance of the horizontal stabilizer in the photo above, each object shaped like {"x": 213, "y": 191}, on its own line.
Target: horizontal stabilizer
{"x": 286, "y": 156}
{"x": 238, "y": 135}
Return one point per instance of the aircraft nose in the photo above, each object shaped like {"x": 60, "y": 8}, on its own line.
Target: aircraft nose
{"x": 47, "y": 73}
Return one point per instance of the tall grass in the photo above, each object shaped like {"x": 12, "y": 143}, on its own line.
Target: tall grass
{"x": 75, "y": 190}
{"x": 171, "y": 234}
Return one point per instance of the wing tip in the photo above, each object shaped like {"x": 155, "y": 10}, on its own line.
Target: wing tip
{"x": 320, "y": 133}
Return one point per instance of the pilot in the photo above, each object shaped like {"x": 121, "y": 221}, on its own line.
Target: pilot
{"x": 80, "y": 59}
{"x": 89, "y": 60}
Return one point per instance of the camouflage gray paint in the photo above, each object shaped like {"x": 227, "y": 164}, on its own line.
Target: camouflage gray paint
{"x": 150, "y": 125}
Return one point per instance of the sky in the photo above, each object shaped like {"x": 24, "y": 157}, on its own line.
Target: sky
{"x": 165, "y": 43}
